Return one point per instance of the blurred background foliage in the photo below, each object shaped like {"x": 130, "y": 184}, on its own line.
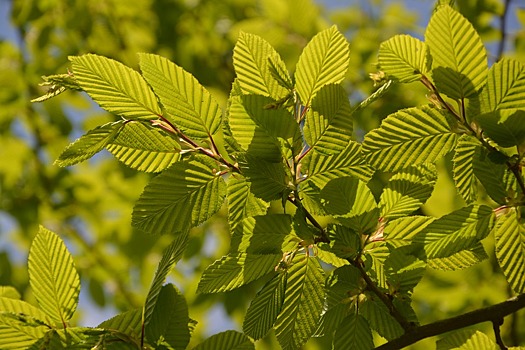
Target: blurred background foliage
{"x": 90, "y": 205}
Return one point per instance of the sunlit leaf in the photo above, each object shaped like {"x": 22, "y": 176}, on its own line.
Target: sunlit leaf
{"x": 9, "y": 292}
{"x": 242, "y": 203}
{"x": 464, "y": 178}
{"x": 129, "y": 322}
{"x": 16, "y": 335}
{"x": 460, "y": 260}
{"x": 353, "y": 333}
{"x": 505, "y": 87}
{"x": 344, "y": 242}
{"x": 469, "y": 339}
{"x": 401, "y": 231}
{"x": 379, "y": 318}
{"x": 267, "y": 180}
{"x": 403, "y": 271}
{"x": 403, "y": 58}
{"x": 505, "y": 127}
{"x": 14, "y": 306}
{"x": 230, "y": 340}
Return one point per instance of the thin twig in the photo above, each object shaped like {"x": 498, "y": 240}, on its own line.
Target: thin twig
{"x": 503, "y": 31}
{"x": 497, "y": 333}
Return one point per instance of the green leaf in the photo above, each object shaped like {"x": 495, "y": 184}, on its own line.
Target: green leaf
{"x": 469, "y": 339}
{"x": 303, "y": 303}
{"x": 400, "y": 232}
{"x": 404, "y": 58}
{"x": 52, "y": 276}
{"x": 459, "y": 59}
{"x": 407, "y": 191}
{"x": 183, "y": 196}
{"x": 403, "y": 271}
{"x": 374, "y": 256}
{"x": 19, "y": 307}
{"x": 467, "y": 149}
{"x": 490, "y": 169}
{"x": 329, "y": 124}
{"x": 344, "y": 242}
{"x": 323, "y": 61}
{"x": 129, "y": 323}
{"x": 253, "y": 60}
{"x": 169, "y": 320}
{"x": 505, "y": 127}
{"x": 57, "y": 84}
{"x": 267, "y": 180}
{"x": 457, "y": 231}
{"x": 143, "y": 147}
{"x": 235, "y": 270}
{"x": 264, "y": 308}
{"x": 115, "y": 87}
{"x": 15, "y": 334}
{"x": 190, "y": 106}
{"x": 171, "y": 255}
{"x": 409, "y": 137}
{"x": 242, "y": 203}
{"x": 505, "y": 88}
{"x": 379, "y": 318}
{"x": 382, "y": 90}
{"x": 258, "y": 130}
{"x": 9, "y": 292}
{"x": 230, "y": 340}
{"x": 88, "y": 145}
{"x": 460, "y": 260}
{"x": 509, "y": 233}
{"x": 354, "y": 333}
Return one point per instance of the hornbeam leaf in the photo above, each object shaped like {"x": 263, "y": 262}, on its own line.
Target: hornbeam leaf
{"x": 242, "y": 203}
{"x": 460, "y": 260}
{"x": 509, "y": 233}
{"x": 129, "y": 322}
{"x": 265, "y": 307}
{"x": 13, "y": 306}
{"x": 9, "y": 292}
{"x": 490, "y": 169}
{"x": 143, "y": 147}
{"x": 382, "y": 90}
{"x": 409, "y": 137}
{"x": 52, "y": 275}
{"x": 323, "y": 61}
{"x": 115, "y": 87}
{"x": 459, "y": 59}
{"x": 470, "y": 339}
{"x": 15, "y": 334}
{"x": 505, "y": 127}
{"x": 253, "y": 60}
{"x": 505, "y": 88}
{"x": 235, "y": 270}
{"x": 268, "y": 181}
{"x": 400, "y": 232}
{"x": 303, "y": 303}
{"x": 379, "y": 318}
{"x": 466, "y": 151}
{"x": 88, "y": 145}
{"x": 353, "y": 333}
{"x": 189, "y": 105}
{"x": 404, "y": 58}
{"x": 181, "y": 197}
{"x": 230, "y": 340}
{"x": 403, "y": 271}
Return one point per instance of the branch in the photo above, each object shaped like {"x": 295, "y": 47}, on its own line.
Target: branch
{"x": 493, "y": 313}
{"x": 502, "y": 28}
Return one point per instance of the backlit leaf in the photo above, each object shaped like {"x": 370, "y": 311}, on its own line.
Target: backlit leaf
{"x": 505, "y": 87}
{"x": 460, "y": 260}
{"x": 403, "y": 58}
{"x": 230, "y": 340}
{"x": 14, "y": 306}
{"x": 129, "y": 322}
{"x": 464, "y": 178}
{"x": 15, "y": 335}
{"x": 242, "y": 203}
{"x": 469, "y": 339}
{"x": 505, "y": 127}
{"x": 353, "y": 333}
{"x": 379, "y": 318}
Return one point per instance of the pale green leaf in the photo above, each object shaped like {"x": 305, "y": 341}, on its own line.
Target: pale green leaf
{"x": 505, "y": 88}
{"x": 403, "y": 58}
{"x": 323, "y": 61}
{"x": 16, "y": 335}
{"x": 265, "y": 307}
{"x": 115, "y": 87}
{"x": 459, "y": 59}
{"x": 374, "y": 256}
{"x": 143, "y": 147}
{"x": 505, "y": 127}
{"x": 380, "y": 92}
{"x": 400, "y": 232}
{"x": 379, "y": 318}
{"x": 9, "y": 292}
{"x": 57, "y": 84}
{"x": 190, "y": 106}
{"x": 329, "y": 257}
{"x": 267, "y": 180}
{"x": 510, "y": 249}
{"x": 468, "y": 339}
{"x": 460, "y": 260}
{"x": 88, "y": 145}
{"x": 303, "y": 303}
{"x": 407, "y": 191}
{"x": 242, "y": 203}
{"x": 14, "y": 306}
{"x": 129, "y": 323}
{"x": 457, "y": 231}
{"x": 253, "y": 58}
{"x": 230, "y": 340}
{"x": 169, "y": 258}
{"x": 183, "y": 196}
{"x": 353, "y": 333}
{"x": 235, "y": 270}
{"x": 409, "y": 137}
{"x": 328, "y": 128}
{"x": 463, "y": 172}
{"x": 52, "y": 275}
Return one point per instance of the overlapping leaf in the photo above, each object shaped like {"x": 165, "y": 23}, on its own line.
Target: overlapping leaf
{"x": 323, "y": 61}
{"x": 460, "y": 260}
{"x": 14, "y": 306}
{"x": 115, "y": 87}
{"x": 184, "y": 195}
{"x": 129, "y": 322}
{"x": 400, "y": 232}
{"x": 505, "y": 127}
{"x": 459, "y": 59}
{"x": 52, "y": 275}
{"x": 354, "y": 333}
{"x": 505, "y": 88}
{"x": 403, "y": 58}
{"x": 403, "y": 271}
{"x": 231, "y": 340}
{"x": 15, "y": 334}
{"x": 466, "y": 340}
{"x": 379, "y": 318}
{"x": 467, "y": 149}
{"x": 267, "y": 180}
{"x": 409, "y": 137}
{"x": 189, "y": 105}
{"x": 490, "y": 169}
{"x": 144, "y": 148}
{"x": 253, "y": 58}
{"x": 510, "y": 249}
{"x": 242, "y": 203}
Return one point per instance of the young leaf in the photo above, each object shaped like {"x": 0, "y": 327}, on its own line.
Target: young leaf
{"x": 505, "y": 88}
{"x": 460, "y": 260}
{"x": 328, "y": 127}
{"x": 265, "y": 307}
{"x": 323, "y": 61}
{"x": 88, "y": 145}
{"x": 459, "y": 59}
{"x": 303, "y": 303}
{"x": 490, "y": 169}
{"x": 144, "y": 148}
{"x": 235, "y": 270}
{"x": 403, "y": 271}
{"x": 409, "y": 137}
{"x": 129, "y": 323}
{"x": 115, "y": 87}
{"x": 14, "y": 306}
{"x": 15, "y": 334}
{"x": 242, "y": 203}
{"x": 53, "y": 277}
{"x": 466, "y": 340}
{"x": 400, "y": 232}
{"x": 382, "y": 90}
{"x": 510, "y": 249}
{"x": 379, "y": 319}
{"x": 9, "y": 292}
{"x": 253, "y": 59}
{"x": 404, "y": 58}
{"x": 406, "y": 191}
{"x": 353, "y": 333}
{"x": 230, "y": 340}
{"x": 374, "y": 256}
{"x": 467, "y": 149}
{"x": 190, "y": 106}
{"x": 183, "y": 196}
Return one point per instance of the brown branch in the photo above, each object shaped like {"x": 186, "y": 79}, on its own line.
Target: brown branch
{"x": 488, "y": 314}
{"x": 497, "y": 333}
{"x": 322, "y": 237}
